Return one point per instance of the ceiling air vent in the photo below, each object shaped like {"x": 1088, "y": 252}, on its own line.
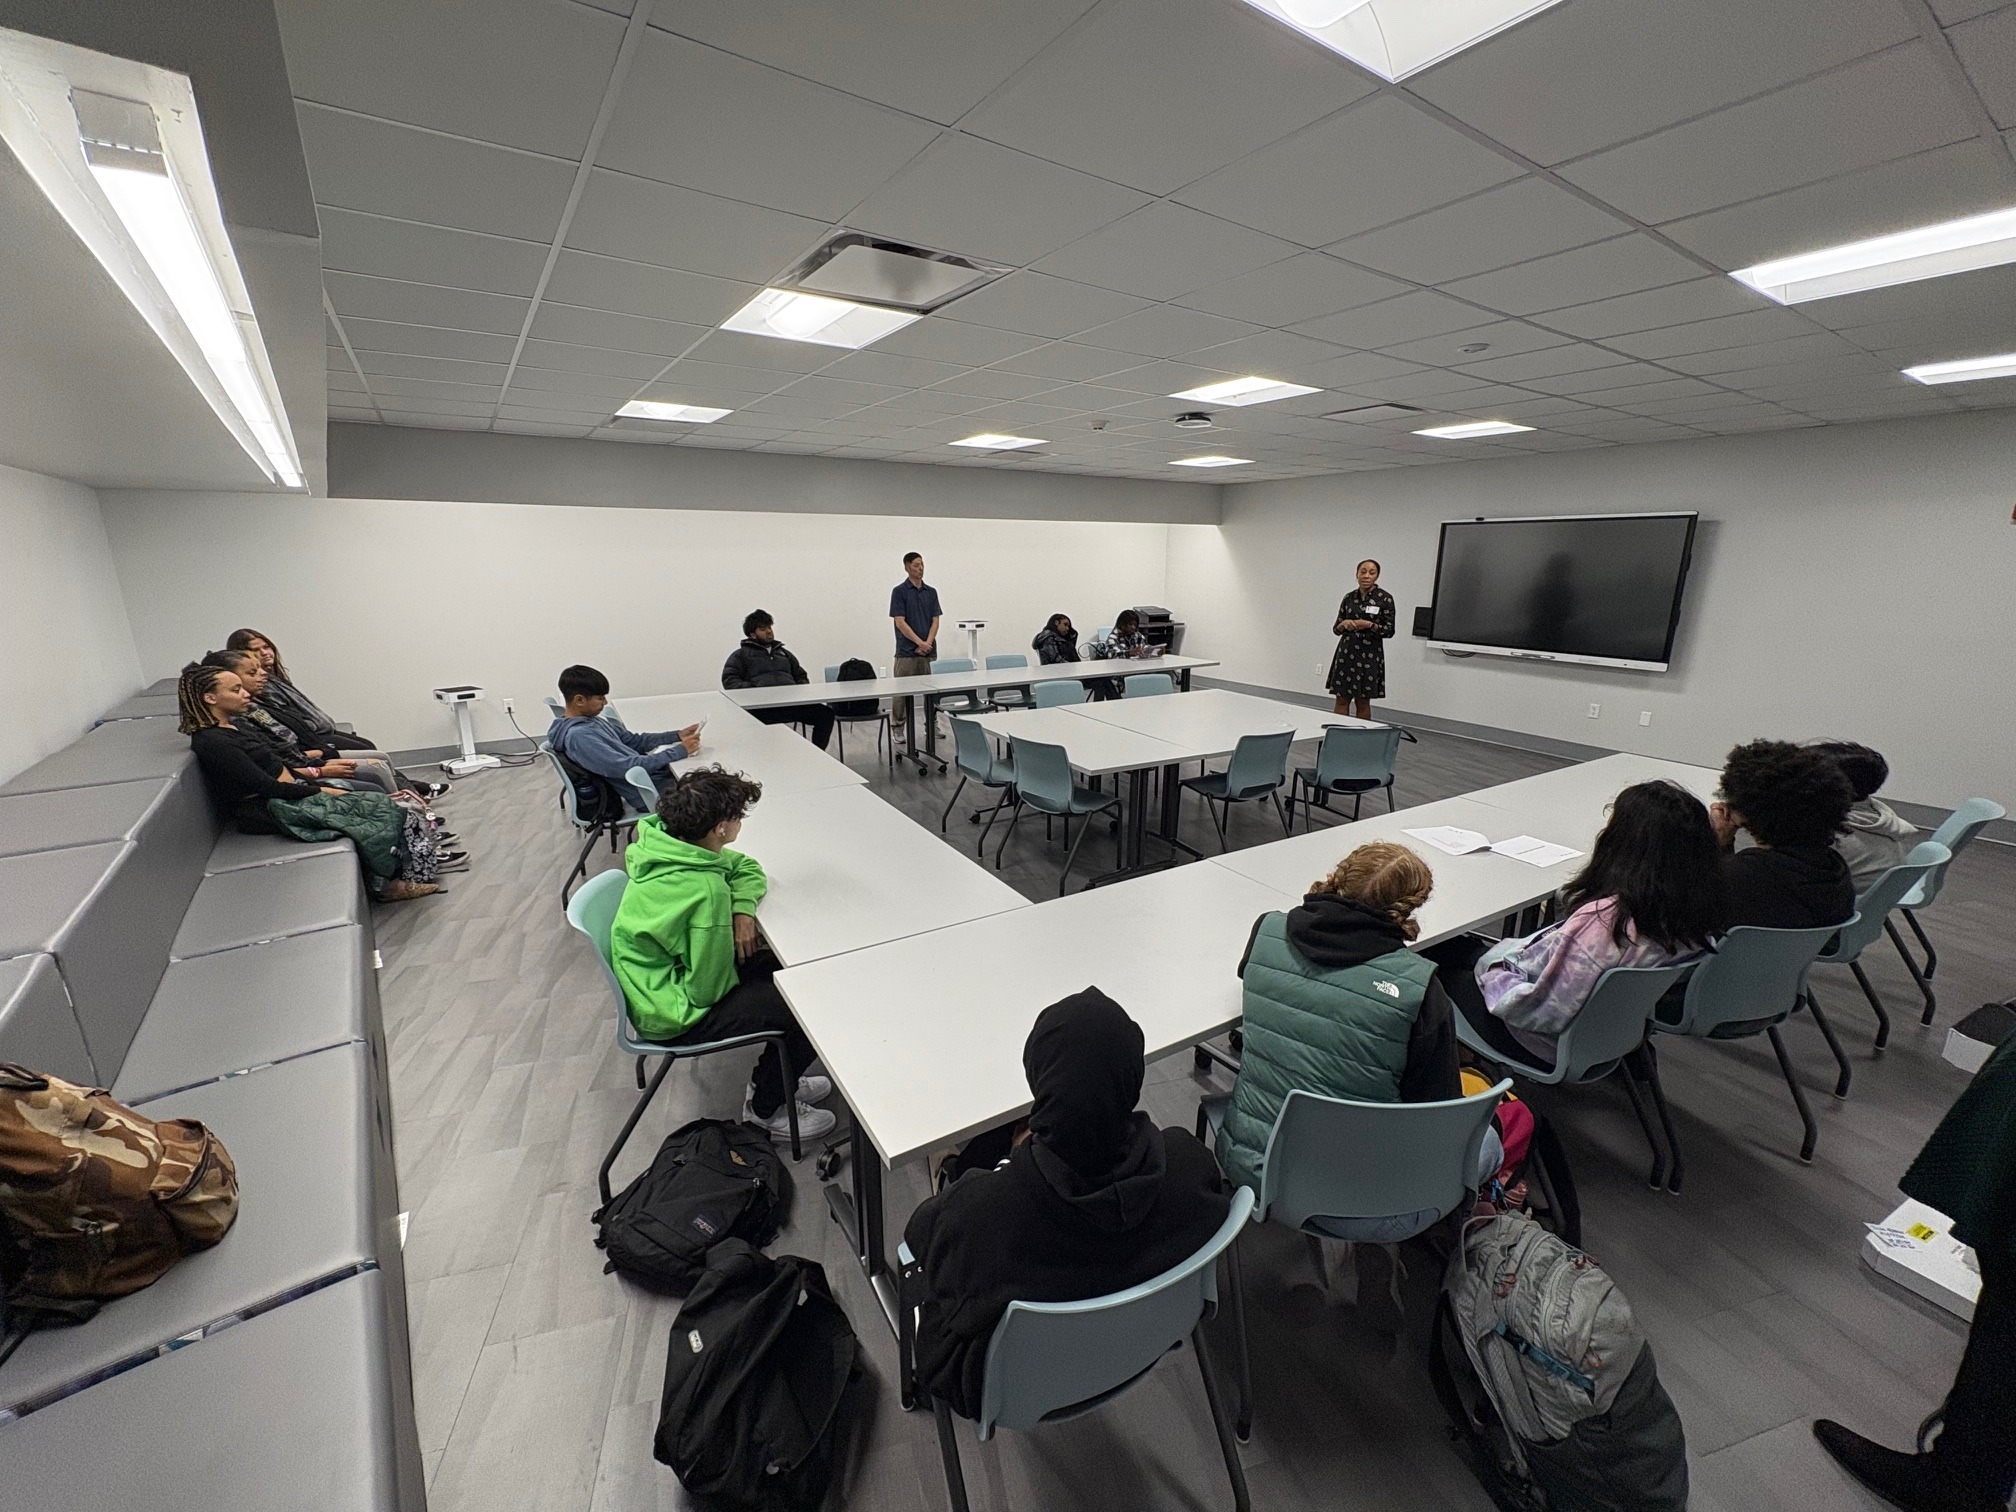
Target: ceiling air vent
{"x": 869, "y": 270}
{"x": 1367, "y": 414}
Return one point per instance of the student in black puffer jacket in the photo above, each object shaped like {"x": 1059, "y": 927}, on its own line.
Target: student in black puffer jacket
{"x": 1056, "y": 642}
{"x": 762, "y": 661}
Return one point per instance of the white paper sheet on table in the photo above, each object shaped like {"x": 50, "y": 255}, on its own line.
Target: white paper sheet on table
{"x": 1535, "y": 852}
{"x": 1450, "y": 840}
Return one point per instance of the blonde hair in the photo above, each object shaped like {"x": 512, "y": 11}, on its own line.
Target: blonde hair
{"x": 1383, "y": 876}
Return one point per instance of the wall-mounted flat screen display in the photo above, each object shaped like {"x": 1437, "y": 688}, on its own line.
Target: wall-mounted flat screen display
{"x": 1604, "y": 589}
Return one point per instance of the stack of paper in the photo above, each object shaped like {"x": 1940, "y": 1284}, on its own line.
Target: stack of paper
{"x": 1452, "y": 841}
{"x": 1914, "y": 1248}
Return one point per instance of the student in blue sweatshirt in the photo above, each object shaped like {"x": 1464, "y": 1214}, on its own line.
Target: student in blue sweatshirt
{"x": 607, "y": 749}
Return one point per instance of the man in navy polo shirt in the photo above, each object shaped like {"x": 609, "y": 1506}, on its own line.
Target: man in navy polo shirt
{"x": 913, "y": 607}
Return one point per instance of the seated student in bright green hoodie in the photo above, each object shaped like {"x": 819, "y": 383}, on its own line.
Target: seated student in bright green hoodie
{"x": 685, "y": 948}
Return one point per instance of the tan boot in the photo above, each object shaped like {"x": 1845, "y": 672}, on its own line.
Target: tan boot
{"x": 399, "y": 890}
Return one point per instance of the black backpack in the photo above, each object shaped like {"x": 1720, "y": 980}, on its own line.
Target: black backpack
{"x": 756, "y": 1374}
{"x": 710, "y": 1181}
{"x": 855, "y": 670}
{"x": 596, "y": 799}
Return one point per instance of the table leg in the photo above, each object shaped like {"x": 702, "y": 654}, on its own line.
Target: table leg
{"x": 859, "y": 1214}
{"x": 1183, "y": 679}
{"x": 910, "y": 731}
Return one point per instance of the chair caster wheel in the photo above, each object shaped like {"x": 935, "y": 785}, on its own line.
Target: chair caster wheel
{"x": 827, "y": 1163}
{"x": 1200, "y": 1061}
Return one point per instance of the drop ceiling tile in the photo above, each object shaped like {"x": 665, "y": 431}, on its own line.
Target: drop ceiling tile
{"x": 1411, "y": 317}
{"x": 1748, "y": 329}
{"x": 891, "y": 369}
{"x": 383, "y": 169}
{"x": 1092, "y": 398}
{"x": 602, "y": 328}
{"x": 436, "y": 389}
{"x": 399, "y": 365}
{"x": 935, "y": 402}
{"x": 706, "y": 119}
{"x": 633, "y": 288}
{"x": 1675, "y": 304}
{"x": 359, "y": 416}
{"x": 1683, "y": 393}
{"x": 739, "y": 350}
{"x": 1419, "y": 387}
{"x": 1953, "y": 12}
{"x": 1622, "y": 265}
{"x": 954, "y": 341}
{"x": 1987, "y": 290}
{"x": 1887, "y": 106}
{"x": 1987, "y": 49}
{"x": 427, "y": 341}
{"x": 1158, "y": 380}
{"x": 1163, "y": 331}
{"x": 526, "y": 381}
{"x": 1591, "y": 384}
{"x": 726, "y": 378}
{"x": 789, "y": 406}
{"x": 1501, "y": 338}
{"x": 1617, "y": 69}
{"x": 523, "y": 73}
{"x": 417, "y": 421}
{"x": 1035, "y": 304}
{"x": 1302, "y": 287}
{"x": 1527, "y": 218}
{"x": 415, "y": 405}
{"x": 568, "y": 357}
{"x": 1821, "y": 351}
{"x": 424, "y": 304}
{"x": 335, "y": 358}
{"x": 1354, "y": 372}
{"x": 994, "y": 383}
{"x": 1063, "y": 361}
{"x": 980, "y": 200}
{"x": 1270, "y": 354}
{"x": 953, "y": 53}
{"x": 1946, "y": 183}
{"x": 1156, "y": 93}
{"x": 370, "y": 244}
{"x": 540, "y": 414}
{"x": 521, "y": 427}
{"x": 1163, "y": 250}
{"x": 1375, "y": 162}
{"x": 841, "y": 391}
{"x": 673, "y": 227}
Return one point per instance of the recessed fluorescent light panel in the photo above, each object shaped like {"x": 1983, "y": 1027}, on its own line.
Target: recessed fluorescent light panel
{"x": 1212, "y": 461}
{"x": 1395, "y": 38}
{"x": 1471, "y": 429}
{"x": 1240, "y": 392}
{"x": 1957, "y": 246}
{"x": 1966, "y": 370}
{"x": 651, "y": 409}
{"x": 989, "y": 441}
{"x": 118, "y": 149}
{"x": 794, "y": 316}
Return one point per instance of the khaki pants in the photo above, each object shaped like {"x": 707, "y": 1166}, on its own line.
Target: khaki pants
{"x": 899, "y": 708}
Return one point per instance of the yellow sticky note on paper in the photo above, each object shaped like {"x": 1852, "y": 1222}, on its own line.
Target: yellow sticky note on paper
{"x": 1921, "y": 1233}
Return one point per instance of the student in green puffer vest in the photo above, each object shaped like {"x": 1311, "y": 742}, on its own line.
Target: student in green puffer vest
{"x": 1336, "y": 1003}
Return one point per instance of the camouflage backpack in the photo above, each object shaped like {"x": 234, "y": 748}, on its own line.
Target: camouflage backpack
{"x": 96, "y": 1200}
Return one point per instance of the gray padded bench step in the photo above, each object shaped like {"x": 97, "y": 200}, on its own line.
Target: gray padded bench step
{"x": 37, "y": 1027}
{"x": 123, "y": 751}
{"x": 270, "y": 902}
{"x": 236, "y": 852}
{"x": 316, "y": 1198}
{"x": 144, "y": 706}
{"x": 223, "y": 1012}
{"x": 292, "y": 1411}
{"x": 166, "y": 685}
{"x": 66, "y": 817}
{"x": 107, "y": 913}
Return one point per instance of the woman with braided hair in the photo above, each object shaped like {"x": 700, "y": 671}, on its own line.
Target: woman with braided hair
{"x": 262, "y": 795}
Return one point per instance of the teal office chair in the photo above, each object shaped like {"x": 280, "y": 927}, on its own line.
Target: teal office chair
{"x": 978, "y": 763}
{"x": 884, "y": 736}
{"x": 1350, "y": 760}
{"x": 1956, "y": 834}
{"x": 1752, "y": 982}
{"x": 1610, "y": 1031}
{"x": 970, "y": 702}
{"x": 1013, "y": 695}
{"x": 1147, "y": 685}
{"x": 1043, "y": 781}
{"x": 1049, "y": 1361}
{"x": 617, "y": 828}
{"x": 1369, "y": 1172}
{"x": 1872, "y": 915}
{"x": 592, "y": 912}
{"x": 1258, "y": 769}
{"x": 642, "y": 789}
{"x": 1051, "y": 695}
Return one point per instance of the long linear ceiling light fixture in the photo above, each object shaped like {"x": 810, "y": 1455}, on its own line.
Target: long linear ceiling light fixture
{"x": 118, "y": 149}
{"x": 1955, "y": 246}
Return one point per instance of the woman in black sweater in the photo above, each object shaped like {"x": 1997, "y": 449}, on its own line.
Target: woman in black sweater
{"x": 247, "y": 779}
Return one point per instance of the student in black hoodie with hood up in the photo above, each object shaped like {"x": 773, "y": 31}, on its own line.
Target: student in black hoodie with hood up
{"x": 1093, "y": 1198}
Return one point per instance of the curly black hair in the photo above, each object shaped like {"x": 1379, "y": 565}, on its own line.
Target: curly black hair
{"x": 1787, "y": 794}
{"x": 702, "y": 799}
{"x": 1865, "y": 769}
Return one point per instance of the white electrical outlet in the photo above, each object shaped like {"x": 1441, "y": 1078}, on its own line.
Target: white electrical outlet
{"x": 1644, "y": 716}
{"x": 1595, "y": 711}
{"x": 510, "y": 705}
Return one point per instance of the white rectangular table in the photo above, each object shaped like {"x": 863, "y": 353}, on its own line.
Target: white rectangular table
{"x": 924, "y": 1036}
{"x": 776, "y": 756}
{"x": 1212, "y": 721}
{"x": 675, "y": 711}
{"x": 848, "y": 871}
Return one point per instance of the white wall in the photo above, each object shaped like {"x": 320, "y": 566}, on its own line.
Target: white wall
{"x": 66, "y": 652}
{"x": 1857, "y": 581}
{"x": 374, "y": 602}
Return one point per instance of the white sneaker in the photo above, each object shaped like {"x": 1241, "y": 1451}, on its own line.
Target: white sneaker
{"x": 813, "y": 1123}
{"x": 814, "y": 1089}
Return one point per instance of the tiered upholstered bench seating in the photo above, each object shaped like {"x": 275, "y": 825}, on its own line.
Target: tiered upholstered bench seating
{"x": 205, "y": 974}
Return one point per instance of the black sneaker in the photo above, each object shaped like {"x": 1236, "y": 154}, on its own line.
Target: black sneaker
{"x": 1914, "y": 1482}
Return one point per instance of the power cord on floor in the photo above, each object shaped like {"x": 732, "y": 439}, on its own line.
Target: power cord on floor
{"x": 508, "y": 759}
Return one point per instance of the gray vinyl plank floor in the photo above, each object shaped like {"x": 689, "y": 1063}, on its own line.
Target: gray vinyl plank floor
{"x": 538, "y": 1375}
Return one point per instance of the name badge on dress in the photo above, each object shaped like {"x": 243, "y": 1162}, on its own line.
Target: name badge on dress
{"x": 1371, "y": 609}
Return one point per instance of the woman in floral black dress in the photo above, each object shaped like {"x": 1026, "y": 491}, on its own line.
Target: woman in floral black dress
{"x": 1364, "y": 623}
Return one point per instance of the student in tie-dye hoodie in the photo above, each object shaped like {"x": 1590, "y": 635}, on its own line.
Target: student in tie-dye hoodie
{"x": 1651, "y": 894}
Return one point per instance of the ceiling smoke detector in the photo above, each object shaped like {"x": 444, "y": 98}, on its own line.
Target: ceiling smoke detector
{"x": 1194, "y": 420}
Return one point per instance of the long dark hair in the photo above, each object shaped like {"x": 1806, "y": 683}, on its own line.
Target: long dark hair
{"x": 1659, "y": 859}
{"x": 197, "y": 679}
{"x": 241, "y": 640}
